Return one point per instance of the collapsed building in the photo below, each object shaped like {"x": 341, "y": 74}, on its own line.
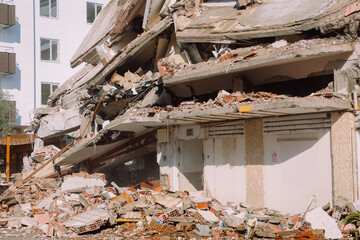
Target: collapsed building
{"x": 242, "y": 101}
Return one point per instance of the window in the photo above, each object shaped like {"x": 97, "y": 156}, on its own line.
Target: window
{"x": 49, "y": 49}
{"x": 48, "y": 8}
{"x": 46, "y": 90}
{"x": 93, "y": 9}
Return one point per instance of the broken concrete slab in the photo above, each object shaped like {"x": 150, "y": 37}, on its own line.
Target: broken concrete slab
{"x": 76, "y": 183}
{"x": 59, "y": 123}
{"x": 203, "y": 230}
{"x": 319, "y": 219}
{"x": 206, "y": 217}
{"x": 166, "y": 200}
{"x": 182, "y": 22}
{"x": 234, "y": 220}
{"x": 28, "y": 221}
{"x": 88, "y": 221}
{"x": 218, "y": 26}
{"x": 262, "y": 58}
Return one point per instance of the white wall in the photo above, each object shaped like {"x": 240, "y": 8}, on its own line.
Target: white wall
{"x": 191, "y": 165}
{"x": 301, "y": 170}
{"x": 224, "y": 172}
{"x": 20, "y": 86}
{"x": 70, "y": 28}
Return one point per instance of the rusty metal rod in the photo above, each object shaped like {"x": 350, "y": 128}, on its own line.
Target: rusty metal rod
{"x": 8, "y": 158}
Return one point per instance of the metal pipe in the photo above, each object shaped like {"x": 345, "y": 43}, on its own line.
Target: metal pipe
{"x": 356, "y": 107}
{"x": 34, "y": 39}
{"x": 8, "y": 158}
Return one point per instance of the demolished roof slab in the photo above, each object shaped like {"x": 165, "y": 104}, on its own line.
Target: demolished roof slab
{"x": 75, "y": 82}
{"x": 291, "y": 106}
{"x": 111, "y": 20}
{"x": 59, "y": 123}
{"x": 263, "y": 58}
{"x": 130, "y": 50}
{"x": 270, "y": 19}
{"x": 88, "y": 149}
{"x": 85, "y": 150}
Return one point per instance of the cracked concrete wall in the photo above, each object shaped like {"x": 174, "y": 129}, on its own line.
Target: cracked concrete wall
{"x": 347, "y": 72}
{"x": 344, "y": 164}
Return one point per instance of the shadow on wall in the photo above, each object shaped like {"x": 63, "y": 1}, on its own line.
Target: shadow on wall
{"x": 11, "y": 34}
{"x": 18, "y": 118}
{"x": 12, "y": 81}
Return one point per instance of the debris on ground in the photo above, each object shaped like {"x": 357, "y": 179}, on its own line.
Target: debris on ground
{"x": 84, "y": 205}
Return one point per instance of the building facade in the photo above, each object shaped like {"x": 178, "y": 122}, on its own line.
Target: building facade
{"x": 37, "y": 40}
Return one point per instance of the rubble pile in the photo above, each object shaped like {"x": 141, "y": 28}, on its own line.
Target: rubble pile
{"x": 38, "y": 157}
{"x": 84, "y": 204}
{"x": 226, "y": 99}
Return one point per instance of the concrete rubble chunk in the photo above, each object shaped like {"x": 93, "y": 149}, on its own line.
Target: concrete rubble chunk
{"x": 132, "y": 215}
{"x": 109, "y": 89}
{"x": 59, "y": 122}
{"x": 166, "y": 201}
{"x": 206, "y": 217}
{"x": 26, "y": 207}
{"x": 28, "y": 221}
{"x": 68, "y": 213}
{"x": 182, "y": 22}
{"x": 319, "y": 219}
{"x": 279, "y": 44}
{"x": 88, "y": 221}
{"x": 234, "y": 220}
{"x": 356, "y": 204}
{"x": 14, "y": 224}
{"x": 79, "y": 182}
{"x": 42, "y": 154}
{"x": 203, "y": 230}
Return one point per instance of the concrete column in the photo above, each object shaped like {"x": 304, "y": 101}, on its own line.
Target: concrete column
{"x": 254, "y": 162}
{"x": 344, "y": 164}
{"x": 38, "y": 143}
{"x": 238, "y": 84}
{"x": 84, "y": 121}
{"x": 167, "y": 159}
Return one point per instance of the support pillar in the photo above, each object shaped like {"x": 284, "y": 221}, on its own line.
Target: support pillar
{"x": 344, "y": 164}
{"x": 254, "y": 162}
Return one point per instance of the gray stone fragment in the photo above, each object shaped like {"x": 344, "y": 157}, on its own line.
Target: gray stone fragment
{"x": 203, "y": 230}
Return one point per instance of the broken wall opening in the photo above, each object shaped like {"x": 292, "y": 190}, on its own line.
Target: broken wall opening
{"x": 146, "y": 57}
{"x": 191, "y": 165}
{"x": 304, "y": 76}
{"x": 134, "y": 171}
{"x": 297, "y": 87}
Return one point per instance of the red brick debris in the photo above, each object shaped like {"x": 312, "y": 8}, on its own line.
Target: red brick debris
{"x": 95, "y": 210}
{"x": 226, "y": 99}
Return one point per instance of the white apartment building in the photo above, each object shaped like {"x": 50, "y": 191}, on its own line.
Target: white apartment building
{"x": 37, "y": 40}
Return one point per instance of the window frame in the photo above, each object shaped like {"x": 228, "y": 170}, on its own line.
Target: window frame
{"x": 96, "y": 12}
{"x": 51, "y": 84}
{"x": 50, "y": 49}
{"x": 57, "y": 10}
